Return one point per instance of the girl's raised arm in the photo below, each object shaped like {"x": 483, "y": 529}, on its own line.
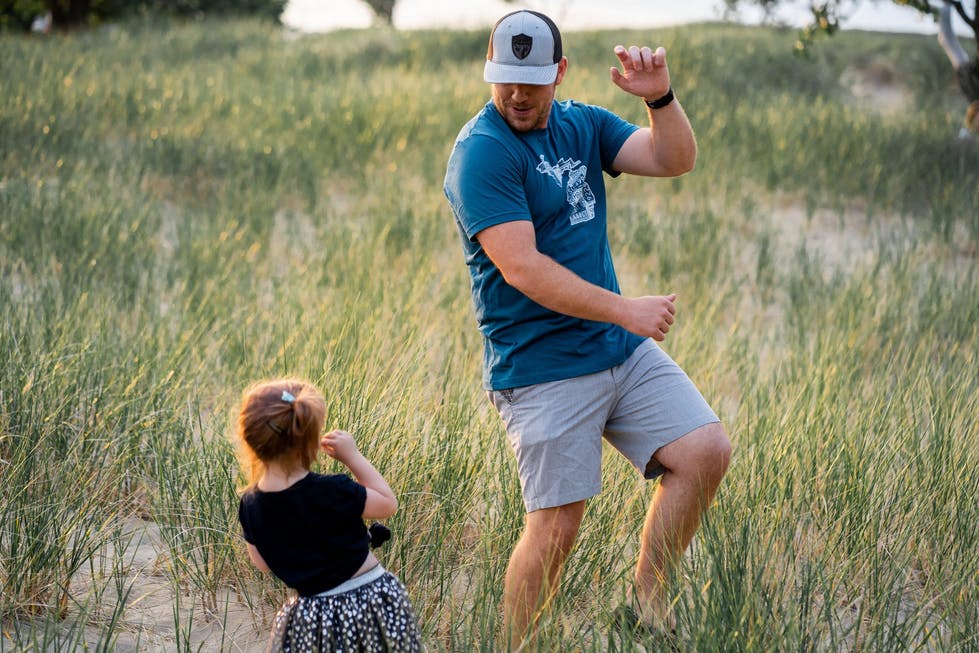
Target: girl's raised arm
{"x": 381, "y": 502}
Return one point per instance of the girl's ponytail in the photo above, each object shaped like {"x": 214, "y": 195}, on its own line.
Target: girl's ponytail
{"x": 279, "y": 420}
{"x": 308, "y": 414}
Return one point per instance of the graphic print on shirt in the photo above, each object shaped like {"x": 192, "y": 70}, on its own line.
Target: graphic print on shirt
{"x": 579, "y": 194}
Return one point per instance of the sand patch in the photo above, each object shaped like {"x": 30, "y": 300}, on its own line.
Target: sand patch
{"x": 154, "y": 610}
{"x": 875, "y": 86}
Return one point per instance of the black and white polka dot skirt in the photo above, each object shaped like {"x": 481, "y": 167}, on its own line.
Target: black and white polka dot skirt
{"x": 373, "y": 617}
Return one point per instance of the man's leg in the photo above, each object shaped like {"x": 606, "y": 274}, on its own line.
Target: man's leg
{"x": 694, "y": 466}
{"x": 534, "y": 571}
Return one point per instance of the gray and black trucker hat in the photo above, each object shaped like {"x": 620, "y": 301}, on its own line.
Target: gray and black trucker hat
{"x": 524, "y": 48}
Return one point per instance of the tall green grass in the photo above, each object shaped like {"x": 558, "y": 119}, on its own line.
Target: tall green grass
{"x": 185, "y": 208}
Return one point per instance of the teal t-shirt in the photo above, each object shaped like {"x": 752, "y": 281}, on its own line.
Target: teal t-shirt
{"x": 553, "y": 177}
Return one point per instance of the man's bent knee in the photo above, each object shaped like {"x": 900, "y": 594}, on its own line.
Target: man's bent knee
{"x": 716, "y": 451}
{"x": 556, "y": 527}
{"x": 704, "y": 452}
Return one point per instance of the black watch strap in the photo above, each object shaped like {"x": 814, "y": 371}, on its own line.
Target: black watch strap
{"x": 659, "y": 103}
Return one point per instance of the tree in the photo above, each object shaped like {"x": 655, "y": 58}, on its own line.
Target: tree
{"x": 383, "y": 9}
{"x": 69, "y": 13}
{"x": 826, "y": 19}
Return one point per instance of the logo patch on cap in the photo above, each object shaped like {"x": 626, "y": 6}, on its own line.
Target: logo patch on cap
{"x": 521, "y": 44}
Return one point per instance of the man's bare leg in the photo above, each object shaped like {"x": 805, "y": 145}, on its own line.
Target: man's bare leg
{"x": 695, "y": 466}
{"x": 534, "y": 571}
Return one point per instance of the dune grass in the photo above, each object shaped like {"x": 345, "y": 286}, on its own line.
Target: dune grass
{"x": 186, "y": 208}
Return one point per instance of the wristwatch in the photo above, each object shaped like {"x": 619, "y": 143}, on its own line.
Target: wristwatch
{"x": 659, "y": 103}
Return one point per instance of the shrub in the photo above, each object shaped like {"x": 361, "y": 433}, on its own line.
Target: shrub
{"x": 19, "y": 14}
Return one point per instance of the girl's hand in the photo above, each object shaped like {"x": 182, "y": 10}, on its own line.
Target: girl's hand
{"x": 339, "y": 445}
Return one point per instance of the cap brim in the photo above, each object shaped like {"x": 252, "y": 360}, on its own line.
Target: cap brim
{"x": 498, "y": 73}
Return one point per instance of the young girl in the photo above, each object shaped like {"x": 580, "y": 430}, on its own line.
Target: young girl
{"x": 308, "y": 528}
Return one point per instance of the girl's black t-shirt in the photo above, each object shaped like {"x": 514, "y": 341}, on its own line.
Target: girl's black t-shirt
{"x": 312, "y": 534}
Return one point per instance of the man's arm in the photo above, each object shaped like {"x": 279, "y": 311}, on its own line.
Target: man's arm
{"x": 667, "y": 148}
{"x": 512, "y": 246}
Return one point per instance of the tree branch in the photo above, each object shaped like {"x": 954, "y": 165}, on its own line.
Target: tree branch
{"x": 949, "y": 42}
{"x": 960, "y": 10}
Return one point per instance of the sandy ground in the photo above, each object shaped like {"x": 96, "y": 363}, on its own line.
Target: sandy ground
{"x": 148, "y": 623}
{"x": 874, "y": 87}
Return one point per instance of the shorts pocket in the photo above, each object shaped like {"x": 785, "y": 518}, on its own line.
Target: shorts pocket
{"x": 500, "y": 398}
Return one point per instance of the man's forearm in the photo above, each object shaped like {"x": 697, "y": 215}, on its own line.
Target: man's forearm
{"x": 554, "y": 286}
{"x": 512, "y": 248}
{"x": 672, "y": 139}
{"x": 557, "y": 288}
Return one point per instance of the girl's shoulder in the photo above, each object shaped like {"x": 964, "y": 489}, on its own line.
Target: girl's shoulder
{"x": 337, "y": 493}
{"x": 310, "y": 482}
{"x": 314, "y": 496}
{"x": 316, "y": 477}
{"x": 336, "y": 482}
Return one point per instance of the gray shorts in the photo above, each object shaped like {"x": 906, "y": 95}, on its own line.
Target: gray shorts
{"x": 556, "y": 428}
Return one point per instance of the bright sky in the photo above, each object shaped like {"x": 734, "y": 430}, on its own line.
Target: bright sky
{"x": 324, "y": 15}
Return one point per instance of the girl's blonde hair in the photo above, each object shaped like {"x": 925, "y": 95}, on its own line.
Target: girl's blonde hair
{"x": 280, "y": 420}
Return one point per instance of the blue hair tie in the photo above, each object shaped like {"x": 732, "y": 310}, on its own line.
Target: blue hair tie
{"x": 288, "y": 397}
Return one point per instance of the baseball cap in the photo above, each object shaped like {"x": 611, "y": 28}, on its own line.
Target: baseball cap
{"x": 524, "y": 48}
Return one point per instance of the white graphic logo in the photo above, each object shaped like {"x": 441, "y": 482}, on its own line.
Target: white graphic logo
{"x": 578, "y": 192}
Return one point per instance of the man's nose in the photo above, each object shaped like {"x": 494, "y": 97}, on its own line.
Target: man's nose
{"x": 520, "y": 92}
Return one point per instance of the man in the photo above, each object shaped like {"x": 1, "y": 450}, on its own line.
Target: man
{"x": 567, "y": 359}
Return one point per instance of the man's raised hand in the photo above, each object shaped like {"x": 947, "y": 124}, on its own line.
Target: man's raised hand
{"x": 644, "y": 72}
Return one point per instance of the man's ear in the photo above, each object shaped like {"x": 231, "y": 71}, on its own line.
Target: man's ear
{"x": 562, "y": 67}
